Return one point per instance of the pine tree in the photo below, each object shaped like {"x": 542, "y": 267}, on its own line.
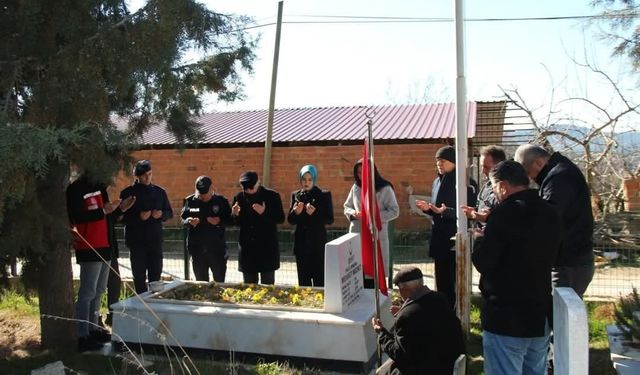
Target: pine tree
{"x": 67, "y": 69}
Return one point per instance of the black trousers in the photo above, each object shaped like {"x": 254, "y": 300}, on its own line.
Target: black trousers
{"x": 205, "y": 258}
{"x": 114, "y": 283}
{"x": 310, "y": 269}
{"x": 267, "y": 278}
{"x": 146, "y": 264}
{"x": 445, "y": 267}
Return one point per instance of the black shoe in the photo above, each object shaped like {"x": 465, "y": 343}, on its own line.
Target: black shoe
{"x": 109, "y": 320}
{"x": 100, "y": 335}
{"x": 88, "y": 344}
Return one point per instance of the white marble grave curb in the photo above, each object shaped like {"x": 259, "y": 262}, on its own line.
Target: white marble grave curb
{"x": 342, "y": 331}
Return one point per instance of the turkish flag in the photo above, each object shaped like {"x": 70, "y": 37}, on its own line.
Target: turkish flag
{"x": 370, "y": 212}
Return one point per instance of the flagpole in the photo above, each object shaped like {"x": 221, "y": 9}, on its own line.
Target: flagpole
{"x": 372, "y": 219}
{"x": 373, "y": 226}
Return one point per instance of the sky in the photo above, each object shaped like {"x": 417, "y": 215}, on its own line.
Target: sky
{"x": 346, "y": 64}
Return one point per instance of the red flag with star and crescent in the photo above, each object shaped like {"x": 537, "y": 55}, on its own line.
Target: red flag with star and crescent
{"x": 367, "y": 199}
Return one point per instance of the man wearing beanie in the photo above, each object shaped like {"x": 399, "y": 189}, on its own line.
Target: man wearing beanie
{"x": 442, "y": 210}
{"x": 258, "y": 211}
{"x": 426, "y": 337}
{"x": 205, "y": 214}
{"x": 143, "y": 225}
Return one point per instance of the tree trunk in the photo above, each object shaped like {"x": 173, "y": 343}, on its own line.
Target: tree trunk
{"x": 55, "y": 284}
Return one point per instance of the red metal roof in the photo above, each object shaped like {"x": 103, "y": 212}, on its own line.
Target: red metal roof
{"x": 391, "y": 122}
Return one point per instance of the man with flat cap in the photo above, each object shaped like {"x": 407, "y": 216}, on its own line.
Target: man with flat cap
{"x": 442, "y": 210}
{"x": 143, "y": 225}
{"x": 426, "y": 337}
{"x": 258, "y": 211}
{"x": 205, "y": 214}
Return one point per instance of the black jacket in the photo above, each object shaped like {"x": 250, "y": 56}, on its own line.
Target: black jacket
{"x": 563, "y": 185}
{"x": 426, "y": 337}
{"x": 148, "y": 197}
{"x": 204, "y": 232}
{"x": 444, "y": 225}
{"x": 514, "y": 258}
{"x": 85, "y": 203}
{"x": 258, "y": 238}
{"x": 311, "y": 233}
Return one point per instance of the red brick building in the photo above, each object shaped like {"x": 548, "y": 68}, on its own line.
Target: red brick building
{"x": 406, "y": 139}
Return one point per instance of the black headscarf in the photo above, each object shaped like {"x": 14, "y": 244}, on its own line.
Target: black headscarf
{"x": 380, "y": 182}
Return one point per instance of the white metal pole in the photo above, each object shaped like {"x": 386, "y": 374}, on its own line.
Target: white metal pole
{"x": 463, "y": 256}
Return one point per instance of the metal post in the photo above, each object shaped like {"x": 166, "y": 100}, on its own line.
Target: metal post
{"x": 266, "y": 167}
{"x": 186, "y": 253}
{"x": 462, "y": 241}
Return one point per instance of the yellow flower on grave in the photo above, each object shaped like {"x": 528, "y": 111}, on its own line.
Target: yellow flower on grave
{"x": 295, "y": 299}
{"x": 273, "y": 301}
{"x": 319, "y": 297}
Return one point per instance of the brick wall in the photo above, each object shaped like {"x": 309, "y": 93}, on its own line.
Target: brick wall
{"x": 407, "y": 166}
{"x": 631, "y": 188}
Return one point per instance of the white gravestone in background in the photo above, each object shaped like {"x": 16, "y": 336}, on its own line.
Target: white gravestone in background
{"x": 342, "y": 273}
{"x": 570, "y": 333}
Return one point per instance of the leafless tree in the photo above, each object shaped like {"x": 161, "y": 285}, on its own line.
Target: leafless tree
{"x": 590, "y": 136}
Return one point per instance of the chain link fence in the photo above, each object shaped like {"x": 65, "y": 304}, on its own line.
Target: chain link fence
{"x": 617, "y": 265}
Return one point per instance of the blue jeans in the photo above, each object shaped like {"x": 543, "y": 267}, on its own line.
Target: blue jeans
{"x": 93, "y": 283}
{"x": 515, "y": 355}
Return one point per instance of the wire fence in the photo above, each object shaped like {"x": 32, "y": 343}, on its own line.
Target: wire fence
{"x": 617, "y": 265}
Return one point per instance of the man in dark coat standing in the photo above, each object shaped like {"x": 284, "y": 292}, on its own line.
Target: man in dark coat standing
{"x": 143, "y": 225}
{"x": 442, "y": 209}
{"x": 514, "y": 255}
{"x": 426, "y": 337}
{"x": 258, "y": 211}
{"x": 205, "y": 214}
{"x": 311, "y": 210}
{"x": 563, "y": 185}
{"x": 489, "y": 156}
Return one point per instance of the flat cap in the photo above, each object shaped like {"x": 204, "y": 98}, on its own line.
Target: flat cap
{"x": 203, "y": 183}
{"x": 407, "y": 274}
{"x": 248, "y": 179}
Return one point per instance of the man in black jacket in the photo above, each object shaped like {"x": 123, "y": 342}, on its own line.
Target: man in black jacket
{"x": 143, "y": 225}
{"x": 514, "y": 255}
{"x": 563, "y": 185}
{"x": 426, "y": 337}
{"x": 206, "y": 214}
{"x": 489, "y": 156}
{"x": 442, "y": 209}
{"x": 258, "y": 211}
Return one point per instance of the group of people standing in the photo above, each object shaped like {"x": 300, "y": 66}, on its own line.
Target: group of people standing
{"x": 533, "y": 232}
{"x": 257, "y": 210}
{"x": 522, "y": 236}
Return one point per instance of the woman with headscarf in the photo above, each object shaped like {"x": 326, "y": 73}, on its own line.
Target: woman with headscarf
{"x": 387, "y": 205}
{"x": 310, "y": 211}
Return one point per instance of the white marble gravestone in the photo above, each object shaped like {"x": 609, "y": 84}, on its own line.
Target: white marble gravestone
{"x": 570, "y": 333}
{"x": 343, "y": 273}
{"x": 342, "y": 331}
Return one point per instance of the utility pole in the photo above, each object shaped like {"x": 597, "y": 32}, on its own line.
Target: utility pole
{"x": 463, "y": 254}
{"x": 266, "y": 166}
